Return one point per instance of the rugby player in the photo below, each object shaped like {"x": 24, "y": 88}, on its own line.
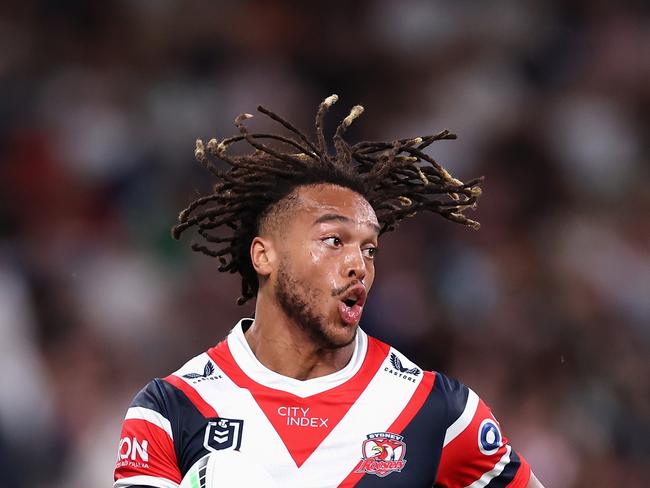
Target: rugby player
{"x": 301, "y": 390}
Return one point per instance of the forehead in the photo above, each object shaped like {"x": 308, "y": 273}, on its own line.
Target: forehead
{"x": 316, "y": 200}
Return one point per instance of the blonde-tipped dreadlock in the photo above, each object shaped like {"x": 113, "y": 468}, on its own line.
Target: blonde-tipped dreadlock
{"x": 397, "y": 178}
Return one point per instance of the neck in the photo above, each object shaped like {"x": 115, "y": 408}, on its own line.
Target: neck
{"x": 283, "y": 346}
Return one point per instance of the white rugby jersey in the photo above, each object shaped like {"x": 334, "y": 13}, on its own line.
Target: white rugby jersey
{"x": 380, "y": 421}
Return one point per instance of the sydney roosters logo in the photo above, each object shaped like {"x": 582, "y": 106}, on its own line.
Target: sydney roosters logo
{"x": 383, "y": 453}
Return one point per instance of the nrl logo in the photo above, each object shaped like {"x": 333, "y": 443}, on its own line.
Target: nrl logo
{"x": 222, "y": 433}
{"x": 383, "y": 453}
{"x": 208, "y": 374}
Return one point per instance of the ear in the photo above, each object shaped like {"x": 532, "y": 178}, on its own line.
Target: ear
{"x": 263, "y": 255}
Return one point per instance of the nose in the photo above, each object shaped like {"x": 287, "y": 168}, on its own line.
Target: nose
{"x": 354, "y": 265}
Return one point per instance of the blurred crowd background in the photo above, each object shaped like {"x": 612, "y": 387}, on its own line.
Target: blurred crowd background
{"x": 545, "y": 311}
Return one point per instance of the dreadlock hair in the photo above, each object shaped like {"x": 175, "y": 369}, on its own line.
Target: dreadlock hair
{"x": 397, "y": 178}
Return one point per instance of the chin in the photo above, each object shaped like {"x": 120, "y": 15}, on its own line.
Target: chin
{"x": 340, "y": 334}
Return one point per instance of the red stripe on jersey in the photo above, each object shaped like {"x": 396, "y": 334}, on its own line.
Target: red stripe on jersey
{"x": 303, "y": 423}
{"x": 414, "y": 405}
{"x": 146, "y": 449}
{"x": 462, "y": 461}
{"x": 204, "y": 407}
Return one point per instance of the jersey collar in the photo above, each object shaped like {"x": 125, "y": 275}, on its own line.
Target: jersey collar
{"x": 249, "y": 364}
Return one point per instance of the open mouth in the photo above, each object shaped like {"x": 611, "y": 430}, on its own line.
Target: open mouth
{"x": 355, "y": 295}
{"x": 351, "y": 304}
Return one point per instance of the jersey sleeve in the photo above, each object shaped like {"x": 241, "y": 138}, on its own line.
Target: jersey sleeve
{"x": 475, "y": 452}
{"x": 146, "y": 455}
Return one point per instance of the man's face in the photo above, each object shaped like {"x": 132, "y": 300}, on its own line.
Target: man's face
{"x": 325, "y": 262}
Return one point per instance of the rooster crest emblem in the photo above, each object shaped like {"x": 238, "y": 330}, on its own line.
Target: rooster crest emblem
{"x": 383, "y": 453}
{"x": 397, "y": 364}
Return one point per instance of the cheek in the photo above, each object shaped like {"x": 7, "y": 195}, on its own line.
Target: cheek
{"x": 316, "y": 256}
{"x": 302, "y": 256}
{"x": 370, "y": 276}
{"x": 323, "y": 267}
{"x": 319, "y": 256}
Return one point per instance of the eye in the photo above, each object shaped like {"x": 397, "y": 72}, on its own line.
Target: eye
{"x": 370, "y": 252}
{"x": 333, "y": 241}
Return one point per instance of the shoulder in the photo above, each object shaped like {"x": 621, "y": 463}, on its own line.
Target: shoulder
{"x": 162, "y": 399}
{"x": 460, "y": 401}
{"x": 199, "y": 368}
{"x": 156, "y": 425}
{"x": 196, "y": 369}
{"x": 451, "y": 391}
{"x": 475, "y": 449}
{"x": 395, "y": 363}
{"x": 447, "y": 398}
{"x": 146, "y": 452}
{"x": 447, "y": 393}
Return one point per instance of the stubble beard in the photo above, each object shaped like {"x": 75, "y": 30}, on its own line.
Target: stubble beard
{"x": 295, "y": 300}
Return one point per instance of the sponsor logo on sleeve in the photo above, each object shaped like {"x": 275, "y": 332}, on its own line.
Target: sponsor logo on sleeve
{"x": 133, "y": 452}
{"x": 222, "y": 433}
{"x": 489, "y": 437}
{"x": 207, "y": 375}
{"x": 382, "y": 454}
{"x": 401, "y": 371}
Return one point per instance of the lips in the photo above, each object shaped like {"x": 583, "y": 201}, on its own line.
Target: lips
{"x": 351, "y": 304}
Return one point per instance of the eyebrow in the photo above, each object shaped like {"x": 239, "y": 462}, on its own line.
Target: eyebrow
{"x": 343, "y": 219}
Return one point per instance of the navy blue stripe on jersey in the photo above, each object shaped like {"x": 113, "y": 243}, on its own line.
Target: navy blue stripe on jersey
{"x": 152, "y": 396}
{"x": 188, "y": 424}
{"x": 423, "y": 437}
{"x": 189, "y": 428}
{"x": 456, "y": 395}
{"x": 508, "y": 473}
